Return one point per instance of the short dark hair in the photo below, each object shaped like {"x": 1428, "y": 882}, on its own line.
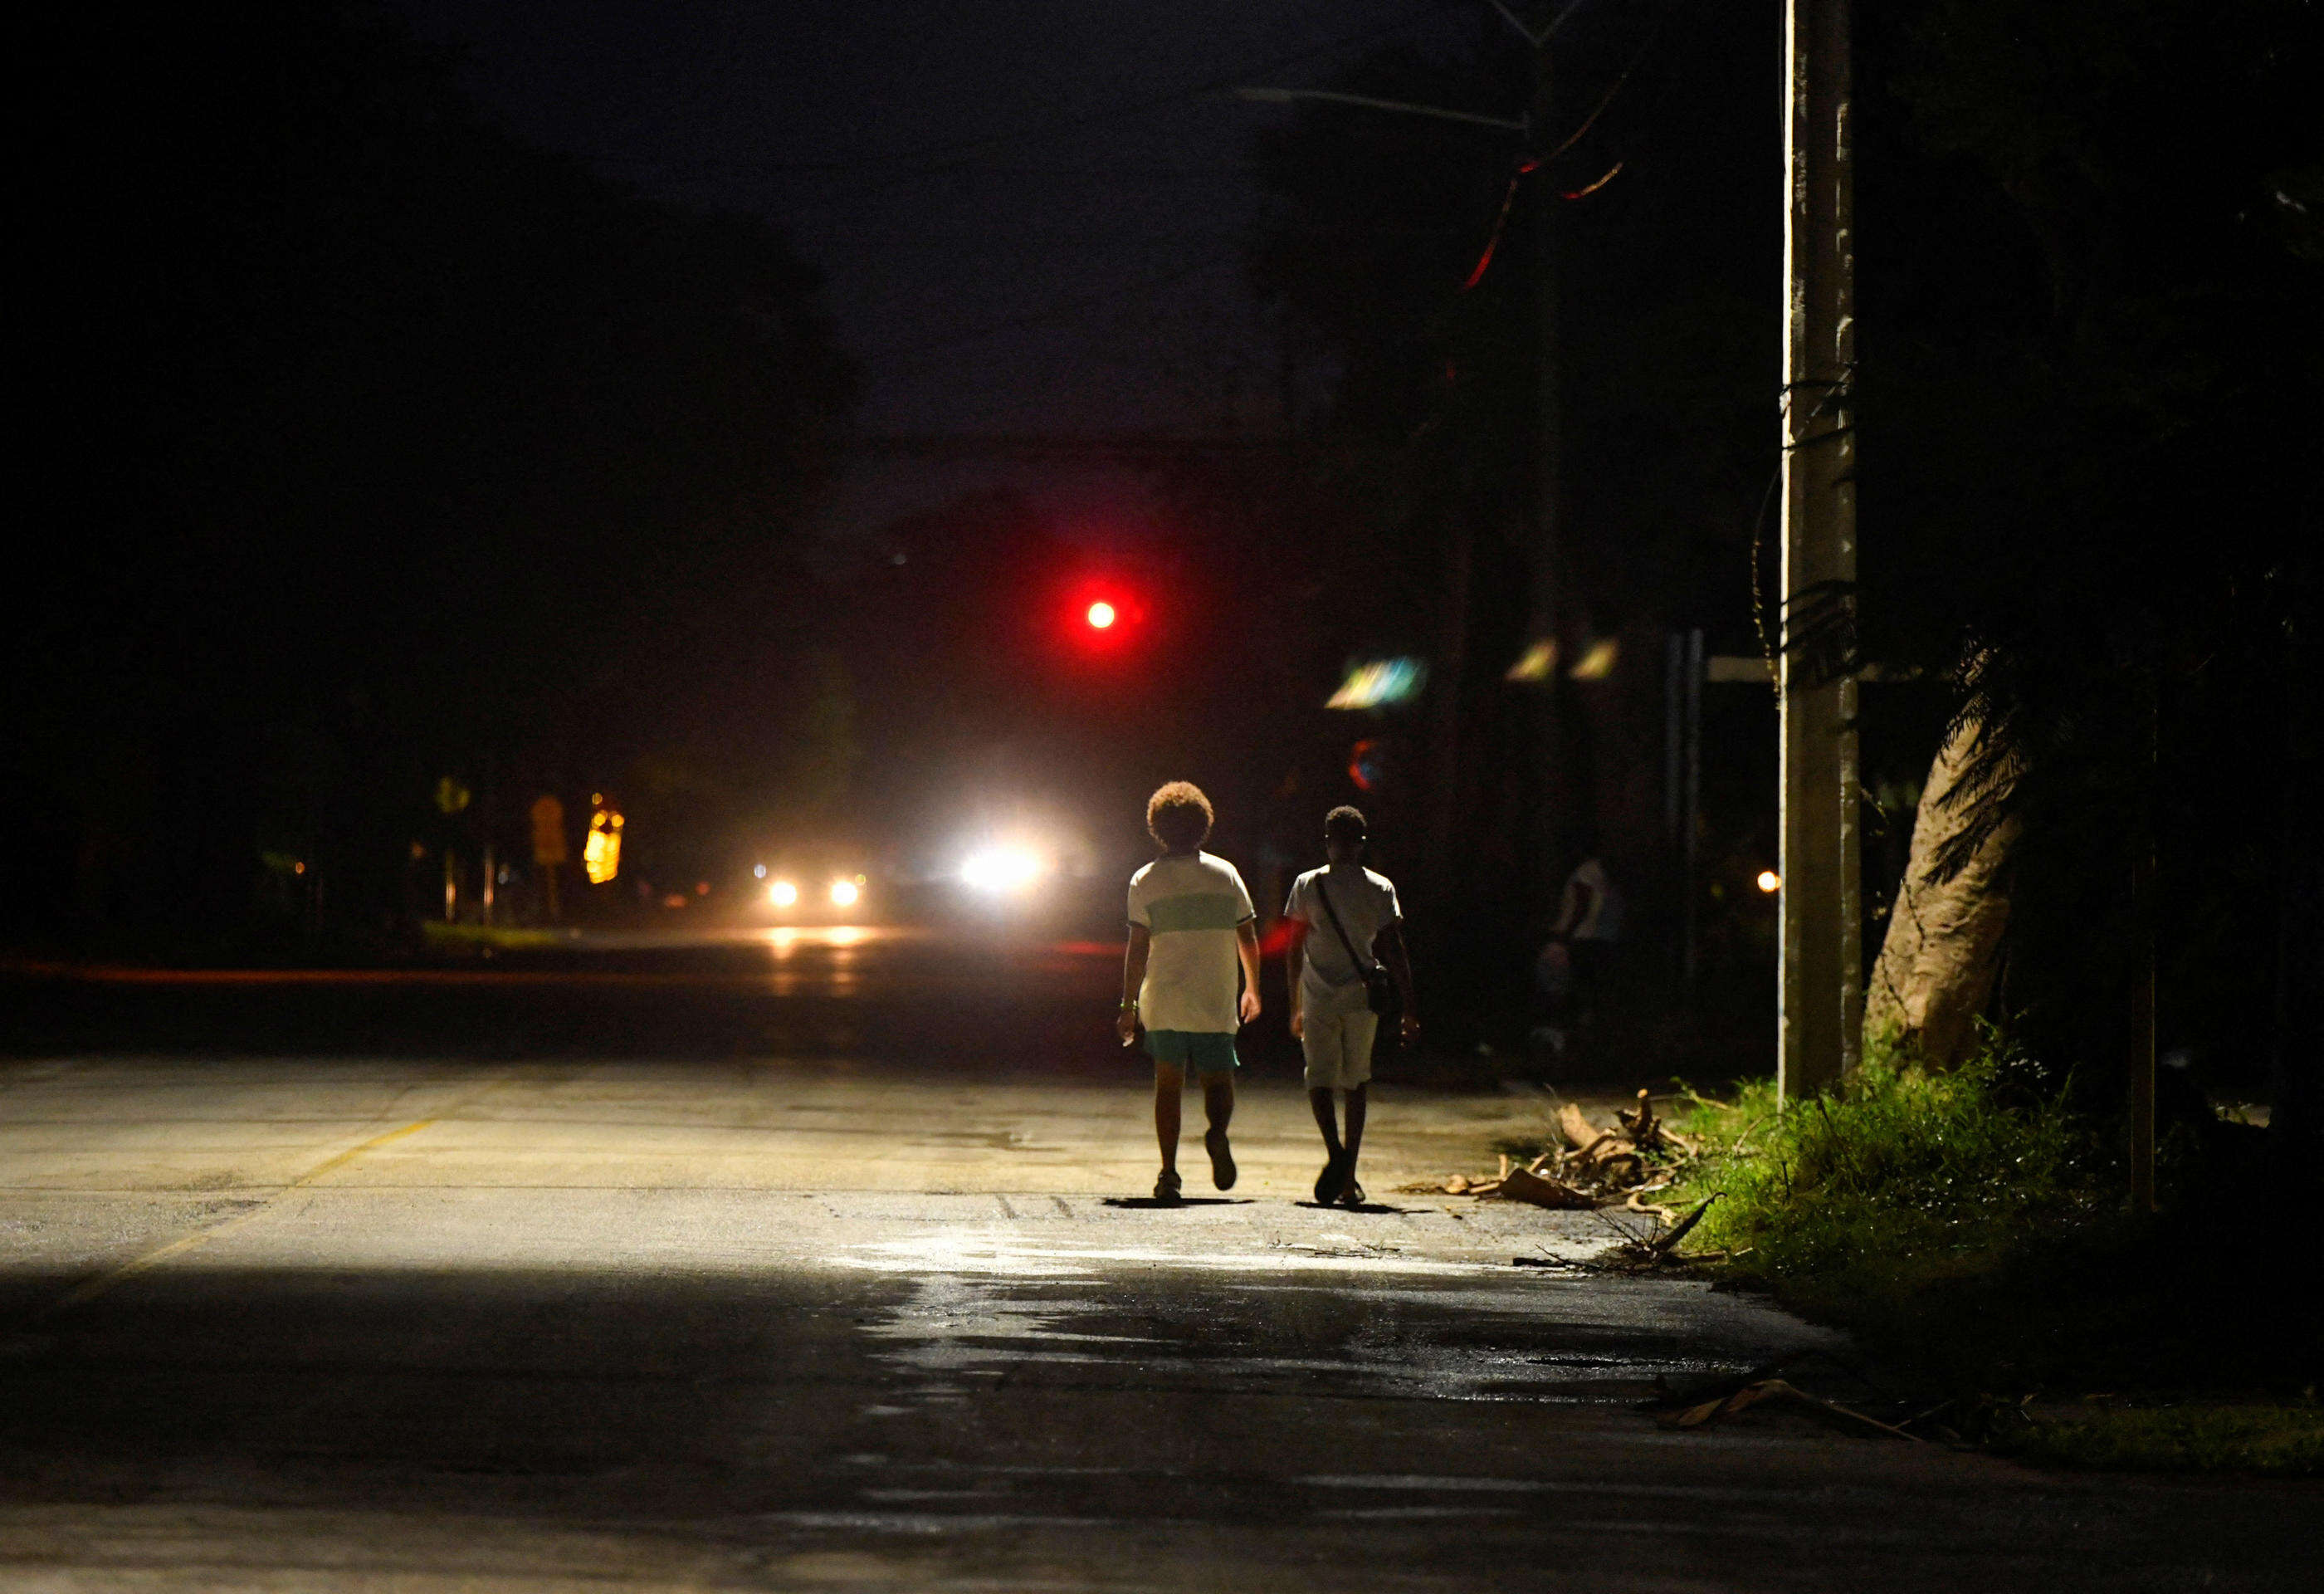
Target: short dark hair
{"x": 1179, "y": 816}
{"x": 1344, "y": 823}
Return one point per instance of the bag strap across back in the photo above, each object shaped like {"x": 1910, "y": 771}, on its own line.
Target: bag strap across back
{"x": 1323, "y": 890}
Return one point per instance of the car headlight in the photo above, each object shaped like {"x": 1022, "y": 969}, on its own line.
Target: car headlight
{"x": 782, "y": 894}
{"x": 999, "y": 868}
{"x": 845, "y": 894}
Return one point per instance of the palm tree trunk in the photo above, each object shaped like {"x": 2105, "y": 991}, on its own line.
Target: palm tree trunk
{"x": 1943, "y": 945}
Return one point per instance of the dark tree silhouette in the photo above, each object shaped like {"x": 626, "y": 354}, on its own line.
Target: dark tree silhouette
{"x": 2092, "y": 344}
{"x": 369, "y": 443}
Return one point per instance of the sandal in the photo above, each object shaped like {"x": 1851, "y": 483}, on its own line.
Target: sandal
{"x": 1332, "y": 1180}
{"x": 1222, "y": 1168}
{"x": 1353, "y": 1195}
{"x": 1166, "y": 1188}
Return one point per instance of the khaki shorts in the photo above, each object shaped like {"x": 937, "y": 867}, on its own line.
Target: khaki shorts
{"x": 1339, "y": 1047}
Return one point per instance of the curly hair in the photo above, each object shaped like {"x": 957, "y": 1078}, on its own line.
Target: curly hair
{"x": 1344, "y": 823}
{"x": 1179, "y": 816}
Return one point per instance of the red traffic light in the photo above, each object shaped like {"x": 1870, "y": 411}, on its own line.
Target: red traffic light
{"x": 1101, "y": 616}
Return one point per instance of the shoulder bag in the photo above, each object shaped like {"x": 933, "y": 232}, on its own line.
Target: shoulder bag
{"x": 1380, "y": 993}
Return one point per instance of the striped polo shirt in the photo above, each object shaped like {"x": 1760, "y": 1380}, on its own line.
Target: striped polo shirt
{"x": 1191, "y": 905}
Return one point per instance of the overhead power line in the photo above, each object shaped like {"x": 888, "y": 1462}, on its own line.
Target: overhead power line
{"x": 951, "y": 157}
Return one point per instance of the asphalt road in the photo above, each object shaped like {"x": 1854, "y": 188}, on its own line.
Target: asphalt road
{"x": 455, "y": 1280}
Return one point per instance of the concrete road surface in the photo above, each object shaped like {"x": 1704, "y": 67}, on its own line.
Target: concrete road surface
{"x": 485, "y": 1310}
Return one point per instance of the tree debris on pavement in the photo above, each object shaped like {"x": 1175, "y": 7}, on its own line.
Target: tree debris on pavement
{"x": 1829, "y": 1413}
{"x": 1596, "y": 1166}
{"x": 1523, "y": 1184}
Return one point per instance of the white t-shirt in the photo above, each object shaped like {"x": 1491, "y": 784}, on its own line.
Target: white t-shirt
{"x": 1602, "y": 920}
{"x": 1191, "y": 905}
{"x": 1367, "y": 904}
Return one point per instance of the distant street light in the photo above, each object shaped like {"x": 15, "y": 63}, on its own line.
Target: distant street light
{"x": 601, "y": 852}
{"x": 1770, "y": 882}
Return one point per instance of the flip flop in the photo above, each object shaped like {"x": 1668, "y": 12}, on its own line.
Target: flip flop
{"x": 1332, "y": 1180}
{"x": 1222, "y": 1168}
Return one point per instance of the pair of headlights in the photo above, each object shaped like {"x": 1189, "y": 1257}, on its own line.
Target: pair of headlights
{"x": 844, "y": 893}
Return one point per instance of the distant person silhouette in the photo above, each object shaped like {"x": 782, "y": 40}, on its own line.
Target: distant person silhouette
{"x": 1589, "y": 927}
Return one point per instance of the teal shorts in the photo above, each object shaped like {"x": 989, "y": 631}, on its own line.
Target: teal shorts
{"x": 1198, "y": 1052}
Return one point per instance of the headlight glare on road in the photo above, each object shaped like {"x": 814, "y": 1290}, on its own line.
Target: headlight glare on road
{"x": 782, "y": 894}
{"x": 845, "y": 894}
{"x": 999, "y": 868}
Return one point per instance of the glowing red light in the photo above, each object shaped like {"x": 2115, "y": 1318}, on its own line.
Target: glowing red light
{"x": 1100, "y": 617}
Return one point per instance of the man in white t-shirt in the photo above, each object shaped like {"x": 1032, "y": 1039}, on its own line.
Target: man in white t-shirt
{"x": 1193, "y": 937}
{"x": 1344, "y": 918}
{"x": 1589, "y": 928}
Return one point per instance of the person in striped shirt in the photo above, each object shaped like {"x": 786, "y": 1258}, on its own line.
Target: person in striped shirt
{"x": 1190, "y": 978}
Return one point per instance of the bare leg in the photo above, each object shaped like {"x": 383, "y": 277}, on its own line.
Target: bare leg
{"x": 1327, "y": 1120}
{"x": 1218, "y": 1099}
{"x": 1169, "y": 1087}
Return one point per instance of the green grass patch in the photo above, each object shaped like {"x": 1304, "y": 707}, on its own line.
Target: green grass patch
{"x": 500, "y": 938}
{"x": 1903, "y": 1178}
{"x": 1969, "y": 1229}
{"x": 2278, "y": 1438}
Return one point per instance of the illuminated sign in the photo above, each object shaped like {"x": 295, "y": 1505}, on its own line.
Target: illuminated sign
{"x": 1380, "y": 682}
{"x": 548, "y": 830}
{"x": 1596, "y": 661}
{"x": 1535, "y": 664}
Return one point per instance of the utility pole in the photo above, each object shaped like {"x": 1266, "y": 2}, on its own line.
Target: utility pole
{"x": 1682, "y": 667}
{"x": 1822, "y": 1001}
{"x": 1554, "y": 779}
{"x": 2142, "y": 1031}
{"x": 2141, "y": 978}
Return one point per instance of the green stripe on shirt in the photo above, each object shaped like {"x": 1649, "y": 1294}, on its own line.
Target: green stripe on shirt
{"x": 1205, "y": 911}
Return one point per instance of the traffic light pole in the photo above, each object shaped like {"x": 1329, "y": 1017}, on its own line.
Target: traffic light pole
{"x": 1554, "y": 799}
{"x": 1820, "y": 1019}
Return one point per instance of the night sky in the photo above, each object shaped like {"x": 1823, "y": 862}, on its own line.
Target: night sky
{"x": 1030, "y": 218}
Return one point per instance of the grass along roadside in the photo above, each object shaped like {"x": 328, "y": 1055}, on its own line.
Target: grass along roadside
{"x": 497, "y": 938}
{"x": 1968, "y": 1227}
{"x": 1904, "y": 1178}
{"x": 2280, "y": 1437}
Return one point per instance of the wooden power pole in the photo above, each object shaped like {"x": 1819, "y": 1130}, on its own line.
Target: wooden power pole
{"x": 1821, "y": 979}
{"x": 1559, "y": 799}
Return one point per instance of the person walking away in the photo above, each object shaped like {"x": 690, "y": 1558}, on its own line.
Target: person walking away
{"x": 1344, "y": 918}
{"x": 1589, "y": 926}
{"x": 1192, "y": 935}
